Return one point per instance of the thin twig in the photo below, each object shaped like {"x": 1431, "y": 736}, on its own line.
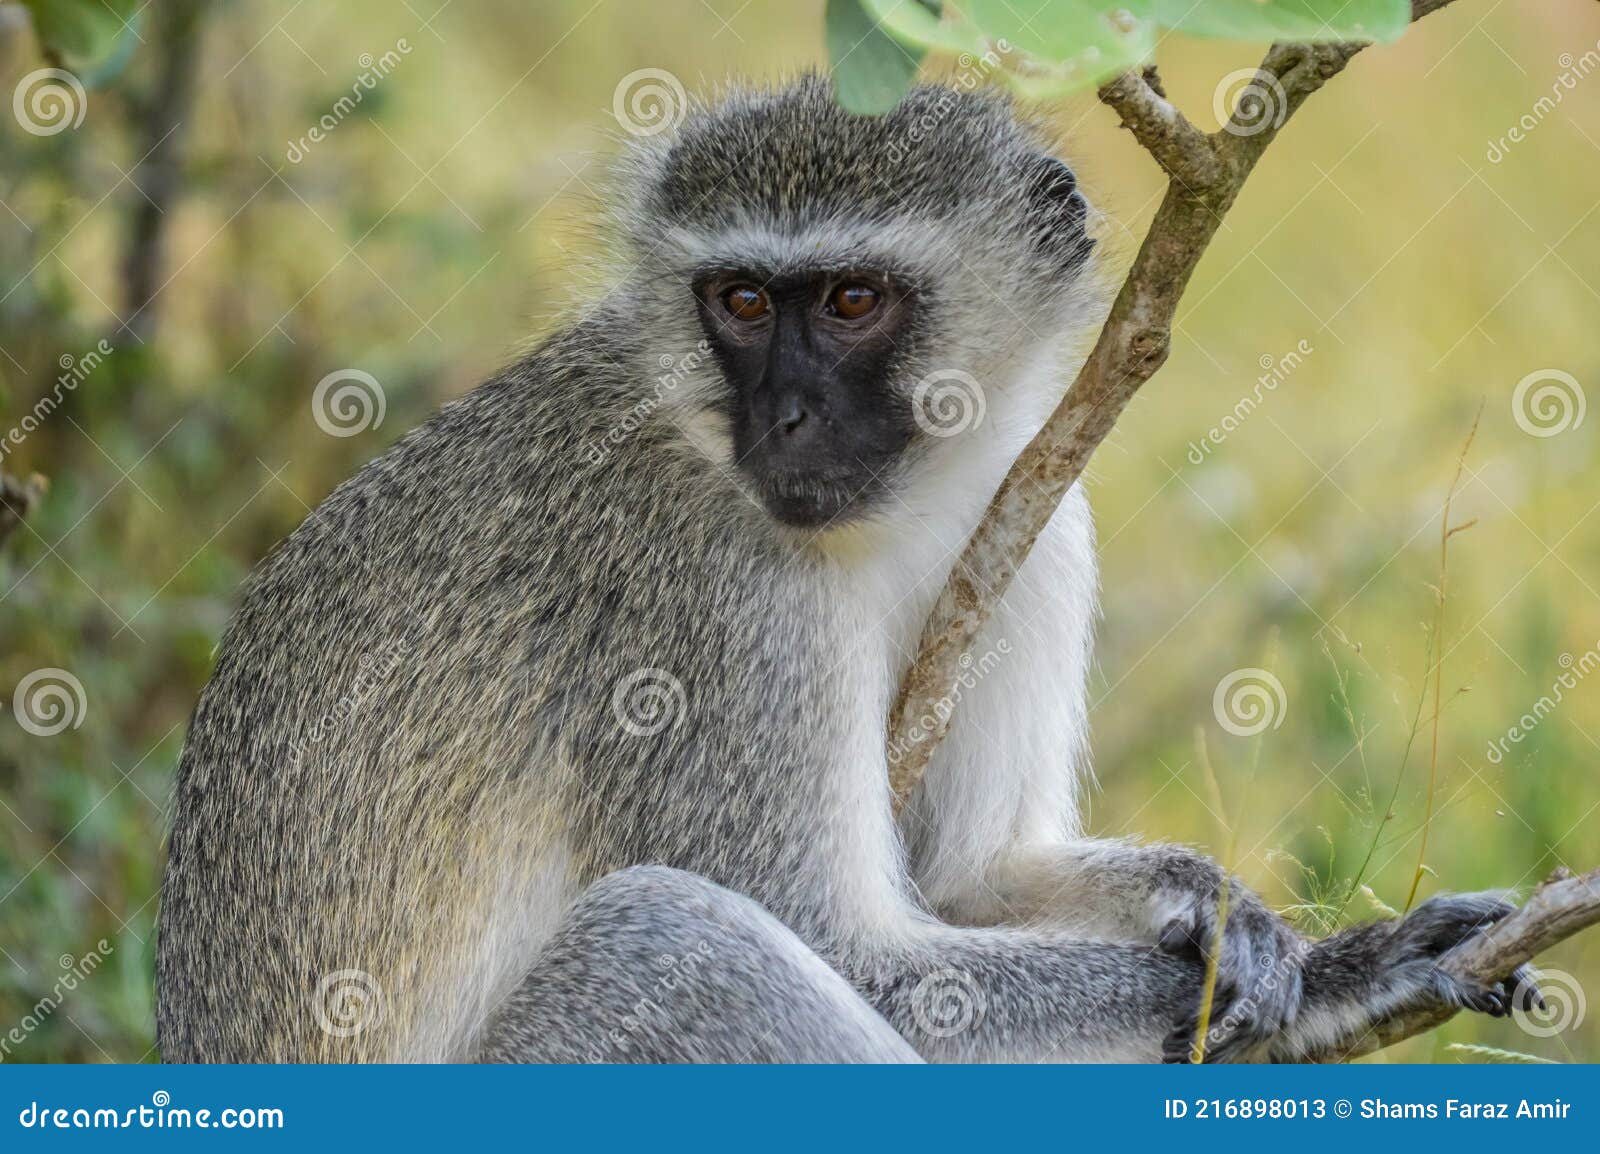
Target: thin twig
{"x": 1440, "y": 598}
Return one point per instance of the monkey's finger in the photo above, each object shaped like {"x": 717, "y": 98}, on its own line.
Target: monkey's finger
{"x": 1485, "y": 999}
{"x": 1178, "y": 1046}
{"x": 1524, "y": 987}
{"x": 1182, "y": 936}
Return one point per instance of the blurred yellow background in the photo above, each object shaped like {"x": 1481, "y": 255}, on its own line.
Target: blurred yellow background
{"x": 1397, "y": 262}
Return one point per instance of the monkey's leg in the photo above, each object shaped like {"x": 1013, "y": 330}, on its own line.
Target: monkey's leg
{"x": 658, "y": 965}
{"x": 1028, "y": 995}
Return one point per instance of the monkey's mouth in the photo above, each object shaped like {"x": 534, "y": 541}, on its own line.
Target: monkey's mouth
{"x": 811, "y": 500}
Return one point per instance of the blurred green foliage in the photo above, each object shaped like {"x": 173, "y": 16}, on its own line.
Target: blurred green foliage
{"x": 442, "y": 224}
{"x": 1066, "y": 45}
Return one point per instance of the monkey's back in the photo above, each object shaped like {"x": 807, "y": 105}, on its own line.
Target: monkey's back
{"x": 416, "y": 729}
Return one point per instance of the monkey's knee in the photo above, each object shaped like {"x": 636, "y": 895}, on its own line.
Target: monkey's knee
{"x": 658, "y": 965}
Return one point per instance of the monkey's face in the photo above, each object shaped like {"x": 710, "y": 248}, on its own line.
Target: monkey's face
{"x": 877, "y": 294}
{"x": 809, "y": 361}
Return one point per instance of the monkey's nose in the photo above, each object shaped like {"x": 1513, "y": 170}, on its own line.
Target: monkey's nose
{"x": 792, "y": 414}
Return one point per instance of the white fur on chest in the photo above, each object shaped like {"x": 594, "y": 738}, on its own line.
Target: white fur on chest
{"x": 1008, "y": 771}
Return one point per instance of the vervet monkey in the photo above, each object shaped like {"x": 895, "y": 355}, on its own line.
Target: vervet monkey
{"x": 557, "y": 733}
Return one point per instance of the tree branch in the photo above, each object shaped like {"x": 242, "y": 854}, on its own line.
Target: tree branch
{"x": 159, "y": 175}
{"x": 1559, "y": 908}
{"x": 1207, "y": 172}
{"x": 1182, "y": 150}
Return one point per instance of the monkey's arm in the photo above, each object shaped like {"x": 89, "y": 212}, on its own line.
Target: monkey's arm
{"x": 1015, "y": 994}
{"x": 1158, "y": 896}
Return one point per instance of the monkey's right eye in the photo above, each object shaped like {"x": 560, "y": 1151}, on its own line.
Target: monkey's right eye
{"x": 746, "y": 302}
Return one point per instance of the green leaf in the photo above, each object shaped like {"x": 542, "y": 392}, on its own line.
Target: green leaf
{"x": 105, "y": 69}
{"x": 1280, "y": 19}
{"x": 81, "y": 32}
{"x": 872, "y": 71}
{"x": 1082, "y": 41}
{"x": 919, "y": 26}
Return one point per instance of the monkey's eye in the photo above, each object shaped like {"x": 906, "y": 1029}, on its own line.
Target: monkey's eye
{"x": 746, "y": 302}
{"x": 852, "y": 301}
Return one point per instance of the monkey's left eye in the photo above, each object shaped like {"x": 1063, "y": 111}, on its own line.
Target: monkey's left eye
{"x": 853, "y": 301}
{"x": 746, "y": 302}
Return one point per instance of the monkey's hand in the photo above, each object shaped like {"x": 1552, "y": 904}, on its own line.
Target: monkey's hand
{"x": 1361, "y": 976}
{"x": 1259, "y": 985}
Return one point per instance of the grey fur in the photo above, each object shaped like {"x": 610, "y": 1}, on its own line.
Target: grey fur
{"x": 547, "y": 637}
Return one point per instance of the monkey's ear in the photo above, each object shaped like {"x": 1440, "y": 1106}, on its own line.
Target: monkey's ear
{"x": 1058, "y": 208}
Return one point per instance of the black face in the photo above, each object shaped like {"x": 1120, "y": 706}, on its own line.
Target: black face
{"x": 808, "y": 358}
